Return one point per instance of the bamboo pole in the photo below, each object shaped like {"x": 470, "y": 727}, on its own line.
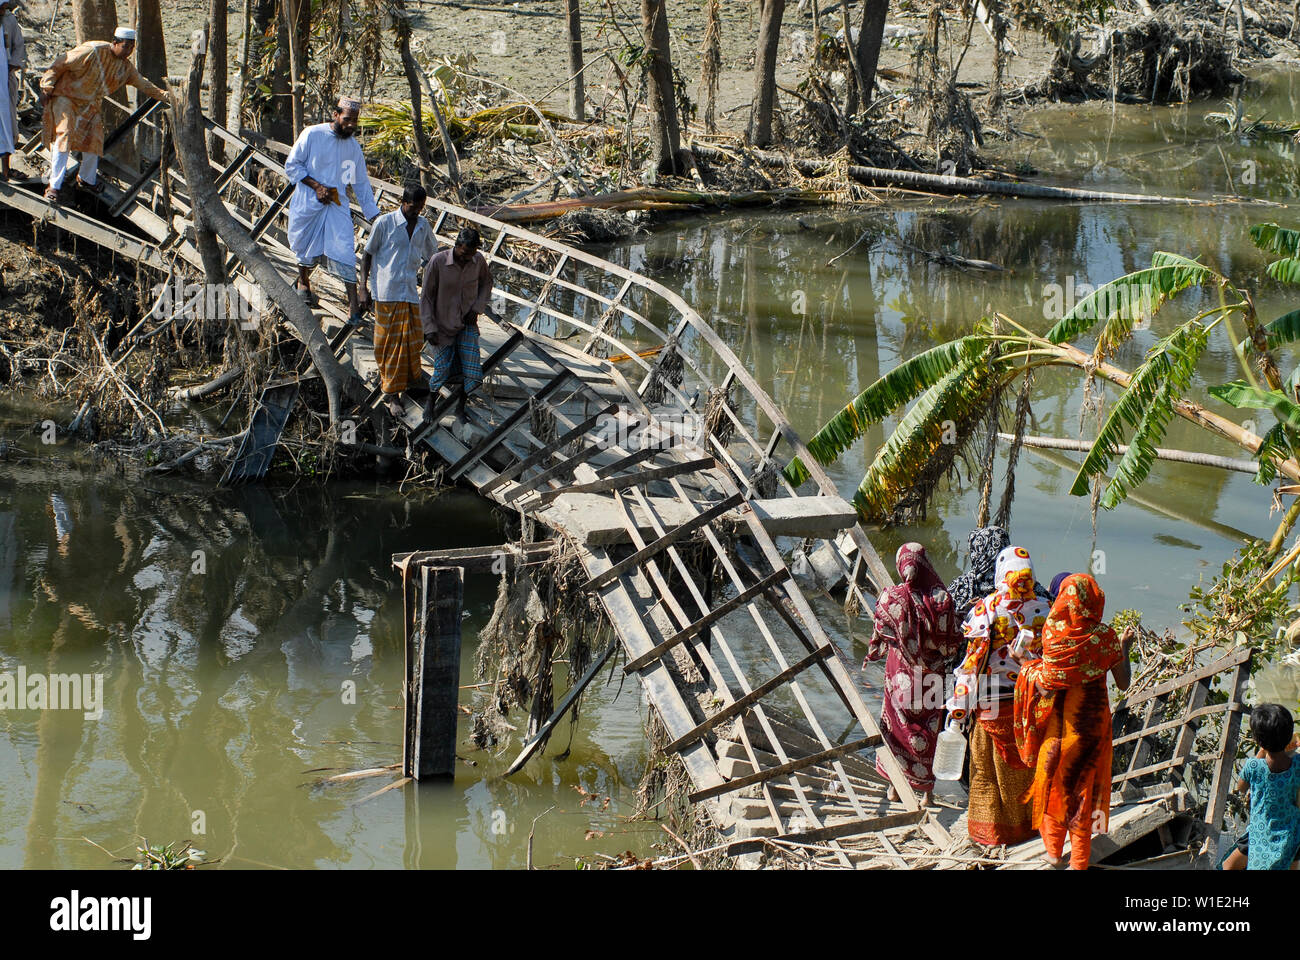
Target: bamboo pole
{"x": 1162, "y": 453}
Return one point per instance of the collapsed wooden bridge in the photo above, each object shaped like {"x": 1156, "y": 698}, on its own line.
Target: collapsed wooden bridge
{"x": 615, "y": 417}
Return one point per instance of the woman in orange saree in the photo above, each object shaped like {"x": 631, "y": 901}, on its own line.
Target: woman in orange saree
{"x": 1062, "y": 719}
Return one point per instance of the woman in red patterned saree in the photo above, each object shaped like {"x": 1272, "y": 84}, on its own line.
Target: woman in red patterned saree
{"x": 917, "y": 627}
{"x": 1062, "y": 719}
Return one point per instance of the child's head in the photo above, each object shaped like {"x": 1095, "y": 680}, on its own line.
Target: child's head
{"x": 1272, "y": 726}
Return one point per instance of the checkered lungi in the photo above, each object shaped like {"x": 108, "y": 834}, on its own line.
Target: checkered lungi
{"x": 398, "y": 342}
{"x": 464, "y": 350}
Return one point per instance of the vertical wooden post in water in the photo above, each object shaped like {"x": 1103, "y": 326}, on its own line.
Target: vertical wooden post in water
{"x": 433, "y": 674}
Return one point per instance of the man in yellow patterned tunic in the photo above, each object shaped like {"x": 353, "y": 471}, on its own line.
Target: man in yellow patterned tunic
{"x": 74, "y": 88}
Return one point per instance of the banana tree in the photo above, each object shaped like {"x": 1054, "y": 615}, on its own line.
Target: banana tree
{"x": 955, "y": 387}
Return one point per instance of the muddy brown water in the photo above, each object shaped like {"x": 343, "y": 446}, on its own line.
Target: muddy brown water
{"x": 224, "y": 691}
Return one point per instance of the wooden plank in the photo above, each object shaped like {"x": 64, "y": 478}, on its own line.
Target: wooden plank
{"x": 125, "y": 127}
{"x": 760, "y": 691}
{"x": 76, "y": 223}
{"x": 562, "y": 469}
{"x": 788, "y": 767}
{"x": 233, "y": 167}
{"x": 657, "y": 681}
{"x": 640, "y": 478}
{"x": 658, "y": 546}
{"x": 1185, "y": 719}
{"x": 479, "y": 559}
{"x": 547, "y": 451}
{"x": 632, "y": 459}
{"x": 131, "y": 192}
{"x": 544, "y": 731}
{"x": 712, "y": 617}
{"x": 434, "y": 693}
{"x": 486, "y": 445}
{"x": 1222, "y": 781}
{"x": 440, "y": 409}
{"x": 257, "y": 448}
{"x": 1226, "y": 662}
{"x": 835, "y": 831}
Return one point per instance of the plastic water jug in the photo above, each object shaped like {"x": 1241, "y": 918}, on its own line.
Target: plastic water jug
{"x": 950, "y": 753}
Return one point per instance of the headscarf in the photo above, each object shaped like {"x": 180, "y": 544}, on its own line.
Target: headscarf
{"x": 992, "y": 627}
{"x": 1078, "y": 648}
{"x": 1055, "y": 588}
{"x": 918, "y": 612}
{"x": 985, "y": 544}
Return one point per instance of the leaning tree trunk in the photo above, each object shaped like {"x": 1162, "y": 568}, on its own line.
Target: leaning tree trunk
{"x": 187, "y": 128}
{"x": 402, "y": 29}
{"x": 213, "y": 214}
{"x": 769, "y": 36}
{"x": 573, "y": 21}
{"x": 665, "y": 135}
{"x": 93, "y": 19}
{"x": 871, "y": 37}
{"x": 218, "y": 40}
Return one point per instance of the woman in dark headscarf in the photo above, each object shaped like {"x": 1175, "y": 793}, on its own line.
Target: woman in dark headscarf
{"x": 917, "y": 628}
{"x": 977, "y": 582}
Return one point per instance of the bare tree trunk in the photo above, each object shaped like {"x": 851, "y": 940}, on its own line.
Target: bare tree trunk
{"x": 449, "y": 148}
{"x": 852, "y": 97}
{"x": 150, "y": 49}
{"x": 573, "y": 20}
{"x": 665, "y": 135}
{"x": 711, "y": 65}
{"x": 280, "y": 80}
{"x": 871, "y": 37}
{"x": 190, "y": 148}
{"x": 769, "y": 36}
{"x": 218, "y": 40}
{"x": 235, "y": 119}
{"x": 402, "y": 28}
{"x": 296, "y": 15}
{"x": 94, "y": 19}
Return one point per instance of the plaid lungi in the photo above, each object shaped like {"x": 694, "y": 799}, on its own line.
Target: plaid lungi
{"x": 398, "y": 342}
{"x": 464, "y": 350}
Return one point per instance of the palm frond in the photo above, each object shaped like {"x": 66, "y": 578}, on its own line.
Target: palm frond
{"x": 956, "y": 398}
{"x": 1276, "y": 445}
{"x": 1135, "y": 465}
{"x": 1243, "y": 395}
{"x": 1271, "y": 238}
{"x": 1172, "y": 359}
{"x": 1286, "y": 270}
{"x": 1130, "y": 298}
{"x": 895, "y": 389}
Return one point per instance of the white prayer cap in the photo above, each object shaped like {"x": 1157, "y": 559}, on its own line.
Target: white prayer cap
{"x": 350, "y": 104}
{"x": 124, "y": 33}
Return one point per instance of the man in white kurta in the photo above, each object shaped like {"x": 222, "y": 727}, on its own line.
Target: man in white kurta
{"x": 324, "y": 162}
{"x": 15, "y": 49}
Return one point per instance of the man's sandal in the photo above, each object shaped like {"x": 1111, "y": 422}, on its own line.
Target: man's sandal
{"x": 51, "y": 195}
{"x": 93, "y": 188}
